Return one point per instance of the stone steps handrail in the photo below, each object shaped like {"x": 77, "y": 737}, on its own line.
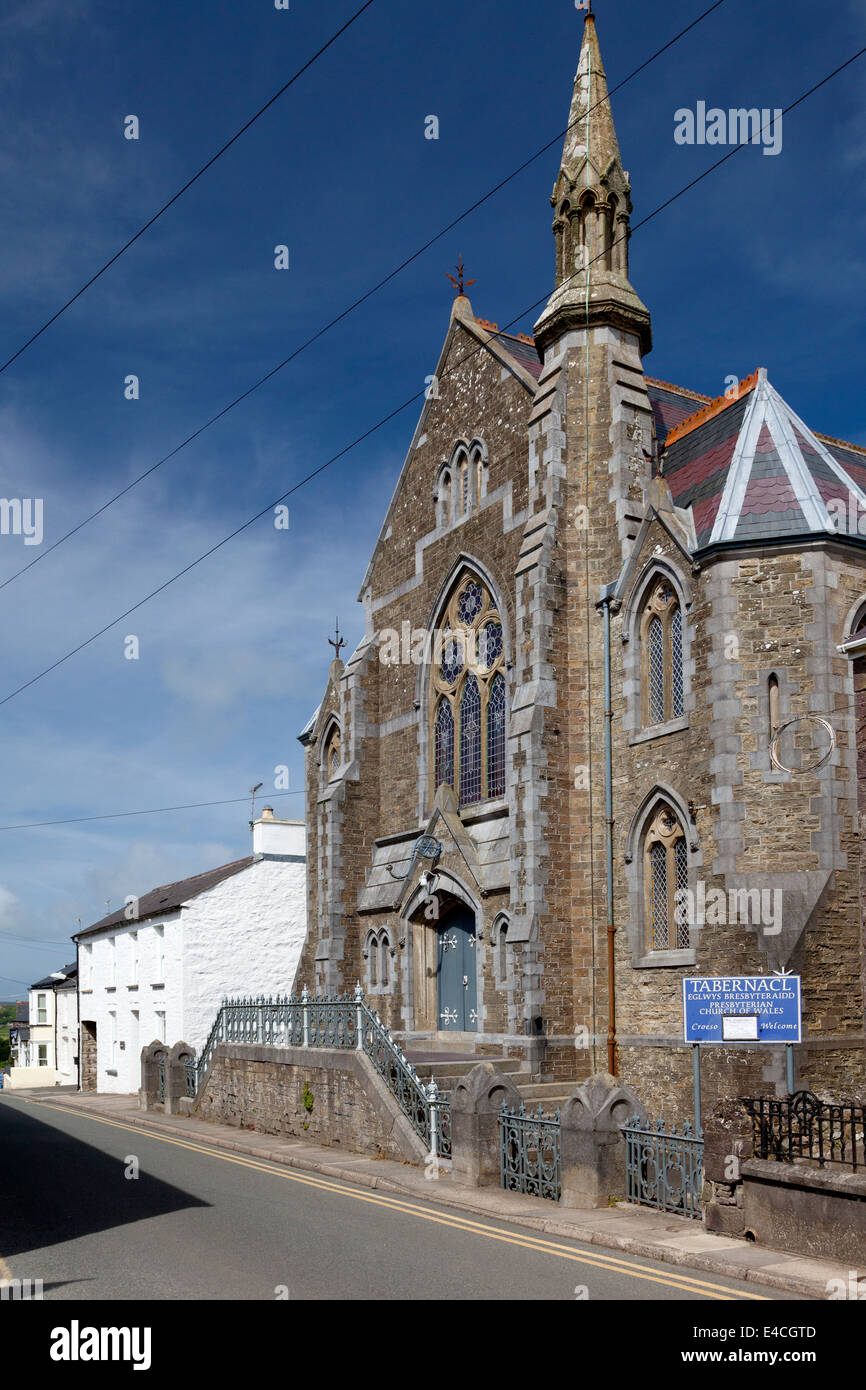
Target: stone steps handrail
{"x": 308, "y": 1020}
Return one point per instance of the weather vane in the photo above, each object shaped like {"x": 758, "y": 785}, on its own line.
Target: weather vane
{"x": 458, "y": 281}
{"x": 336, "y": 641}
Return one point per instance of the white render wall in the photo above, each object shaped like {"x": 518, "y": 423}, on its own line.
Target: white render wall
{"x": 103, "y": 995}
{"x": 243, "y": 937}
{"x": 66, "y": 1004}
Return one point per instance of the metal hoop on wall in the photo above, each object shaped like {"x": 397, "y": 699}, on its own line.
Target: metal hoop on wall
{"x": 800, "y": 719}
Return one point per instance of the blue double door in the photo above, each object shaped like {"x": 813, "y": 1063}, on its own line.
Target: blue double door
{"x": 456, "y": 973}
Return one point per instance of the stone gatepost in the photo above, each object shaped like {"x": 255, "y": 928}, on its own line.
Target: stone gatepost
{"x": 475, "y": 1105}
{"x": 728, "y": 1142}
{"x": 148, "y": 1096}
{"x": 593, "y": 1144}
{"x": 175, "y": 1076}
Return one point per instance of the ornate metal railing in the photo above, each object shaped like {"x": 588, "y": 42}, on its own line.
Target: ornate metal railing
{"x": 802, "y": 1128}
{"x": 160, "y": 1079}
{"x": 531, "y": 1152}
{"x": 190, "y": 1079}
{"x": 664, "y": 1169}
{"x": 307, "y": 1020}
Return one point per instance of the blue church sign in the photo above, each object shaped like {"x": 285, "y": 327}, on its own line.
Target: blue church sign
{"x": 742, "y": 1009}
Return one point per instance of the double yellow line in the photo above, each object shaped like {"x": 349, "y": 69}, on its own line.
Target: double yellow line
{"x": 699, "y": 1287}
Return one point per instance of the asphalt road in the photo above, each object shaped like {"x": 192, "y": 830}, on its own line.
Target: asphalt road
{"x": 202, "y": 1223}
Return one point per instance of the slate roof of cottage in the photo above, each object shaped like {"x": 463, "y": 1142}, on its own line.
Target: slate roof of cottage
{"x": 169, "y": 897}
{"x": 51, "y": 982}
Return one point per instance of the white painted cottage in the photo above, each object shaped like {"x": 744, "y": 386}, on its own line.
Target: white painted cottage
{"x": 49, "y": 1055}
{"x": 158, "y": 969}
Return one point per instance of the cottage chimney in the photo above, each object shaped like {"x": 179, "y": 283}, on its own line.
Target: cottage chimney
{"x": 278, "y": 839}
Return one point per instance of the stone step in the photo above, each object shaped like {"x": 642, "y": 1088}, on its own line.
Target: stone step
{"x": 550, "y": 1095}
{"x": 426, "y": 1065}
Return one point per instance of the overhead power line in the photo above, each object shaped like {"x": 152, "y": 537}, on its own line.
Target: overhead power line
{"x": 398, "y": 409}
{"x": 189, "y": 183}
{"x": 153, "y": 811}
{"x": 38, "y": 943}
{"x": 44, "y": 552}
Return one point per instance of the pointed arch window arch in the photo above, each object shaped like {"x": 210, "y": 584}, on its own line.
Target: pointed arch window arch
{"x": 666, "y": 881}
{"x": 661, "y": 640}
{"x": 331, "y": 754}
{"x": 468, "y": 695}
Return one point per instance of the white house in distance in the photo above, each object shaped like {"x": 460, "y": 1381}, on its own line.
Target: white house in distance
{"x": 49, "y": 1057}
{"x": 157, "y": 970}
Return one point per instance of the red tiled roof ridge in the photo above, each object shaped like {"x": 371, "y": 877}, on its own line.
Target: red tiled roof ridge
{"x": 680, "y": 390}
{"x": 715, "y": 407}
{"x": 486, "y": 323}
{"x": 843, "y": 443}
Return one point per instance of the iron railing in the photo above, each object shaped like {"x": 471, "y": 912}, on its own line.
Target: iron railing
{"x": 801, "y": 1128}
{"x": 531, "y": 1152}
{"x": 664, "y": 1169}
{"x": 190, "y": 1079}
{"x": 332, "y": 1021}
{"x": 160, "y": 1079}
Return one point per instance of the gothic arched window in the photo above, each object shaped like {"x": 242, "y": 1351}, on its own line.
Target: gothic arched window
{"x": 468, "y": 696}
{"x": 444, "y": 498}
{"x": 463, "y": 481}
{"x": 661, "y": 637}
{"x": 666, "y": 875}
{"x": 331, "y": 755}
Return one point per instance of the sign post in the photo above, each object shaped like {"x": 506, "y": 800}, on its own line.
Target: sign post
{"x": 731, "y": 1009}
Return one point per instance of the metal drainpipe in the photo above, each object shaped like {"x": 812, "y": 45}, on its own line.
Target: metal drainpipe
{"x": 608, "y": 815}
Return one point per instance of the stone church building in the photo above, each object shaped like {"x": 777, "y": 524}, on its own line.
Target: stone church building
{"x": 601, "y": 732}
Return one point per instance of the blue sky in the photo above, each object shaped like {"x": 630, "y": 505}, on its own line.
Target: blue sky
{"x": 762, "y": 264}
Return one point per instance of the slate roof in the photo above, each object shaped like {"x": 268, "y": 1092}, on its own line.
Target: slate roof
{"x": 671, "y": 404}
{"x": 751, "y": 469}
{"x": 50, "y": 983}
{"x": 169, "y": 897}
{"x": 523, "y": 351}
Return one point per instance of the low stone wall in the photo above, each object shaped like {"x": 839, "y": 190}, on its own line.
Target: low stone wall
{"x": 805, "y": 1209}
{"x": 347, "y": 1106}
{"x": 797, "y": 1207}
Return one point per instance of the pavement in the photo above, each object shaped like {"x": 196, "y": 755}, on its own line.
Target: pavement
{"x": 631, "y": 1229}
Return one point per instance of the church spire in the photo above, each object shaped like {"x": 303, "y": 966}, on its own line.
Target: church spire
{"x": 592, "y": 204}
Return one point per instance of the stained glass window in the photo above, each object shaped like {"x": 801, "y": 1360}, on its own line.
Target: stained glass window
{"x": 490, "y": 645}
{"x": 470, "y": 743}
{"x": 496, "y": 737}
{"x": 468, "y": 704}
{"x": 452, "y": 658}
{"x": 470, "y": 603}
{"x": 444, "y": 744}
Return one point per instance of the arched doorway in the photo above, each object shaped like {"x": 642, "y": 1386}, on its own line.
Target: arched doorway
{"x": 456, "y": 981}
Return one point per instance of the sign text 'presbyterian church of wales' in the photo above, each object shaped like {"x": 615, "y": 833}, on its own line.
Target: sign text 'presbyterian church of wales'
{"x": 742, "y": 1008}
